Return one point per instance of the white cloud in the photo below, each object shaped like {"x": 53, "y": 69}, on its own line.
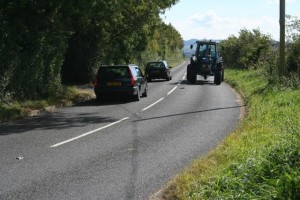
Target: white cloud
{"x": 210, "y": 25}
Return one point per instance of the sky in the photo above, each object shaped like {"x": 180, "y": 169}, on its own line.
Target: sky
{"x": 219, "y": 19}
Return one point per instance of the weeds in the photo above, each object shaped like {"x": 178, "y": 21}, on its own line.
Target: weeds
{"x": 261, "y": 159}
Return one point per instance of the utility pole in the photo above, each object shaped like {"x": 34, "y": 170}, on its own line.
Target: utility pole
{"x": 281, "y": 67}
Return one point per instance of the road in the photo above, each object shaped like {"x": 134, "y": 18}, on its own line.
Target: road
{"x": 119, "y": 149}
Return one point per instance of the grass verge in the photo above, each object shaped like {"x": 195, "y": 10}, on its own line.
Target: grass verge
{"x": 67, "y": 96}
{"x": 260, "y": 159}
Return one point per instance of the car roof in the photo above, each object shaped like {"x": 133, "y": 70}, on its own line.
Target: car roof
{"x": 158, "y": 61}
{"x": 130, "y": 65}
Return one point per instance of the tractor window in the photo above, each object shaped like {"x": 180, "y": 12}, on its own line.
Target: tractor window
{"x": 206, "y": 50}
{"x": 202, "y": 50}
{"x": 213, "y": 50}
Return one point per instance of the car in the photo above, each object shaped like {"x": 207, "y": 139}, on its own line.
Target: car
{"x": 158, "y": 70}
{"x": 120, "y": 80}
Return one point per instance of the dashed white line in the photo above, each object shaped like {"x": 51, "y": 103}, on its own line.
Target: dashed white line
{"x": 153, "y": 104}
{"x": 88, "y": 133}
{"x": 172, "y": 90}
{"x": 111, "y": 124}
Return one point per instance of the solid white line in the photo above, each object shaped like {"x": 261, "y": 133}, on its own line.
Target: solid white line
{"x": 153, "y": 104}
{"x": 172, "y": 91}
{"x": 88, "y": 133}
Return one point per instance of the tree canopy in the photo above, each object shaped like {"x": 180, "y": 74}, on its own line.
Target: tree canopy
{"x": 45, "y": 43}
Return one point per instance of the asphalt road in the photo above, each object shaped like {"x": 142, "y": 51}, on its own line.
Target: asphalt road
{"x": 118, "y": 149}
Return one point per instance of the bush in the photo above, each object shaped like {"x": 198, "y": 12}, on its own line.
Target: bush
{"x": 293, "y": 58}
{"x": 247, "y": 50}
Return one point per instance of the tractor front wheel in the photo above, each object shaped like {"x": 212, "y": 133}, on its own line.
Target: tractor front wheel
{"x": 191, "y": 74}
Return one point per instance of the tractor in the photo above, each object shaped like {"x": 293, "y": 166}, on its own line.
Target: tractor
{"x": 206, "y": 61}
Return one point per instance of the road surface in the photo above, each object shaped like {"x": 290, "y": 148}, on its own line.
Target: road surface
{"x": 119, "y": 149}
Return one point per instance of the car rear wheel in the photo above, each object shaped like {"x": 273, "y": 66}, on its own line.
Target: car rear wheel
{"x": 145, "y": 94}
{"x": 98, "y": 99}
{"x": 137, "y": 97}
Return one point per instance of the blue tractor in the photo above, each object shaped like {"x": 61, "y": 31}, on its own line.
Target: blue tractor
{"x": 206, "y": 61}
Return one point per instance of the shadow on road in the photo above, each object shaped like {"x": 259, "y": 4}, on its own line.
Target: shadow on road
{"x": 52, "y": 121}
{"x": 188, "y": 113}
{"x": 62, "y": 120}
{"x": 105, "y": 102}
{"x": 199, "y": 82}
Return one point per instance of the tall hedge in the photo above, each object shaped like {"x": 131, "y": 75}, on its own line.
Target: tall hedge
{"x": 43, "y": 43}
{"x": 33, "y": 44}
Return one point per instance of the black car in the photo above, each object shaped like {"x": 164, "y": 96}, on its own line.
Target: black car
{"x": 125, "y": 80}
{"x": 158, "y": 70}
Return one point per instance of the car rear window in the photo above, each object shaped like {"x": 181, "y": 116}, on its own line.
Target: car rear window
{"x": 155, "y": 65}
{"x": 111, "y": 73}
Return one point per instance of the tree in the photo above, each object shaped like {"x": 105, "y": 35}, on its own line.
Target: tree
{"x": 293, "y": 45}
{"x": 292, "y": 28}
{"x": 247, "y": 50}
{"x": 44, "y": 42}
{"x": 33, "y": 41}
{"x": 118, "y": 32}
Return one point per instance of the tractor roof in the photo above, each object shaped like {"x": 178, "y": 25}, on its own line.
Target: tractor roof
{"x": 209, "y": 42}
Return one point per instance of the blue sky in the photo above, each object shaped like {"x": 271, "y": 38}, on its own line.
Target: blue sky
{"x": 218, "y": 19}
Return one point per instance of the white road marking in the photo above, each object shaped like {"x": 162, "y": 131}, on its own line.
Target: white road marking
{"x": 88, "y": 133}
{"x": 177, "y": 85}
{"x": 101, "y": 128}
{"x": 153, "y": 104}
{"x": 172, "y": 90}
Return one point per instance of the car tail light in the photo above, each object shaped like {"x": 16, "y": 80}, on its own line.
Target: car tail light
{"x": 132, "y": 81}
{"x": 95, "y": 82}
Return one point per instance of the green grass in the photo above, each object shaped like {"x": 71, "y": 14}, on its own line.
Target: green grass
{"x": 260, "y": 159}
{"x": 17, "y": 110}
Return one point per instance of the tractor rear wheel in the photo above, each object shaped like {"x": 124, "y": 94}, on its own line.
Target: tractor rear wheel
{"x": 193, "y": 76}
{"x": 188, "y": 73}
{"x": 218, "y": 77}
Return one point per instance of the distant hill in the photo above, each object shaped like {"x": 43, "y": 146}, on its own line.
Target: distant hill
{"x": 187, "y": 52}
{"x": 187, "y": 43}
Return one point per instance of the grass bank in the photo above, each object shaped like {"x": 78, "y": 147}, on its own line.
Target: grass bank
{"x": 260, "y": 159}
{"x": 16, "y": 110}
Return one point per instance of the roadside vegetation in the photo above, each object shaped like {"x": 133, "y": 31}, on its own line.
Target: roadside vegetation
{"x": 19, "y": 109}
{"x": 261, "y": 158}
{"x": 46, "y": 45}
